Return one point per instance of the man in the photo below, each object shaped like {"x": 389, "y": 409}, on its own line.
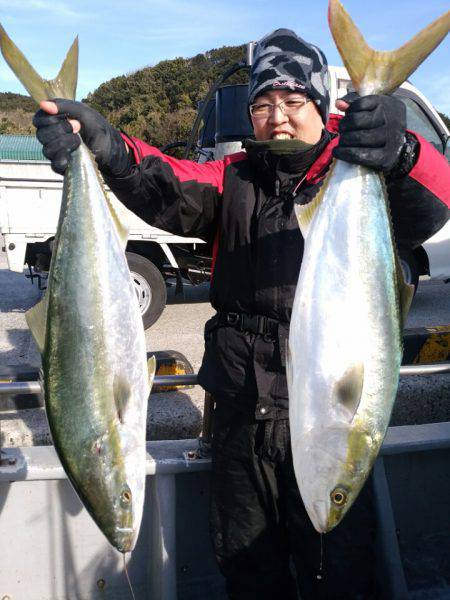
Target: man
{"x": 259, "y": 527}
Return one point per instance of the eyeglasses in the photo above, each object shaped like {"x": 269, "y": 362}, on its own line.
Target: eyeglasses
{"x": 288, "y": 107}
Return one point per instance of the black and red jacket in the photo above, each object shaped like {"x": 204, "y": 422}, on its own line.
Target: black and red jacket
{"x": 244, "y": 203}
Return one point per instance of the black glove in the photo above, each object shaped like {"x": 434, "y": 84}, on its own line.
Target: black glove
{"x": 372, "y": 132}
{"x": 58, "y": 139}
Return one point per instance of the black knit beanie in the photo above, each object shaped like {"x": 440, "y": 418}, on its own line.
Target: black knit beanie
{"x": 283, "y": 61}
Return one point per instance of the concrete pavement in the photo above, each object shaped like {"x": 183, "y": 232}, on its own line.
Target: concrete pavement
{"x": 178, "y": 415}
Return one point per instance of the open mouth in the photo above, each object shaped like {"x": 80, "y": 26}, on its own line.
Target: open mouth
{"x": 282, "y": 136}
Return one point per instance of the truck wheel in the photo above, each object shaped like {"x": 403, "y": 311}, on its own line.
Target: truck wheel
{"x": 409, "y": 267}
{"x": 150, "y": 287}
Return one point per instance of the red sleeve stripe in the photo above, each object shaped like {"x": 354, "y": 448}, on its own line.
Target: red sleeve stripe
{"x": 184, "y": 170}
{"x": 315, "y": 172}
{"x": 333, "y": 122}
{"x": 432, "y": 170}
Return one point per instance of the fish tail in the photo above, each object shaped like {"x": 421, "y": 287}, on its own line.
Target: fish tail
{"x": 376, "y": 72}
{"x": 64, "y": 85}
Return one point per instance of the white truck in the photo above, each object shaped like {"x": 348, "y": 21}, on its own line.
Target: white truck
{"x": 30, "y": 195}
{"x": 30, "y": 199}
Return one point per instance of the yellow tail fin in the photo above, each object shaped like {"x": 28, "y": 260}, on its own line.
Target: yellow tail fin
{"x": 374, "y": 72}
{"x": 64, "y": 85}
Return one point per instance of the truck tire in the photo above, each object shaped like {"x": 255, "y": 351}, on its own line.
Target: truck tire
{"x": 150, "y": 287}
{"x": 409, "y": 267}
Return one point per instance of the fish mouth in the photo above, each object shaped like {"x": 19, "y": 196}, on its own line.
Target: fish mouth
{"x": 319, "y": 516}
{"x": 124, "y": 539}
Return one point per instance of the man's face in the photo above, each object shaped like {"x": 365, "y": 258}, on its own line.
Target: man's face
{"x": 305, "y": 125}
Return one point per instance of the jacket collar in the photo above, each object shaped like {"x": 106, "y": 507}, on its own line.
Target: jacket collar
{"x": 271, "y": 167}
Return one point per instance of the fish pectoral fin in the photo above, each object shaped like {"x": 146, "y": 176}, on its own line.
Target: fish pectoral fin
{"x": 306, "y": 212}
{"x": 151, "y": 367}
{"x": 122, "y": 394}
{"x": 37, "y": 322}
{"x": 349, "y": 388}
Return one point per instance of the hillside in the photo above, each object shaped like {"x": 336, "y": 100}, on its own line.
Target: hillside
{"x": 16, "y": 112}
{"x": 159, "y": 103}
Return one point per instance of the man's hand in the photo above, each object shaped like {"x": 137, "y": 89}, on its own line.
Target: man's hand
{"x": 57, "y": 126}
{"x": 372, "y": 132}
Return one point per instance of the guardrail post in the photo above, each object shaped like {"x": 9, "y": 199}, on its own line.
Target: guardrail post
{"x": 204, "y": 441}
{"x": 394, "y": 582}
{"x": 207, "y": 418}
{"x": 162, "y": 583}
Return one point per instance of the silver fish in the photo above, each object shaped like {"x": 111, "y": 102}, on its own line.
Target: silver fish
{"x": 90, "y": 332}
{"x": 345, "y": 340}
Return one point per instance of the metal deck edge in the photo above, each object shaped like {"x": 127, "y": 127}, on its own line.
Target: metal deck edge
{"x": 170, "y": 456}
{"x": 416, "y": 438}
{"x": 38, "y": 463}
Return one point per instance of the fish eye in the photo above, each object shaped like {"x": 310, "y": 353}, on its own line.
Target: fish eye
{"x": 338, "y": 496}
{"x": 125, "y": 496}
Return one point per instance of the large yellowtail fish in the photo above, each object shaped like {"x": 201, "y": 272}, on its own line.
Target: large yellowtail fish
{"x": 345, "y": 341}
{"x": 90, "y": 333}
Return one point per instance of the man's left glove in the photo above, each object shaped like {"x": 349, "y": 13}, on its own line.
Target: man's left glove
{"x": 372, "y": 132}
{"x": 58, "y": 139}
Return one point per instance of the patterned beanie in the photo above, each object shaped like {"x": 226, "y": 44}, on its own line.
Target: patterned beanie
{"x": 283, "y": 61}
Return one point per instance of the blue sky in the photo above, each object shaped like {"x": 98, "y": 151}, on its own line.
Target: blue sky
{"x": 118, "y": 37}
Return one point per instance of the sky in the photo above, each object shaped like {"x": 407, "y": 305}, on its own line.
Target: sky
{"x": 117, "y": 37}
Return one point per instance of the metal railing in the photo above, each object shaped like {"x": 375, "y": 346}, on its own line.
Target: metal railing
{"x": 35, "y": 387}
{"x": 164, "y": 381}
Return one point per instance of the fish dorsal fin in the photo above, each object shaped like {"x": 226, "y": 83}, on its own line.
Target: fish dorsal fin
{"x": 349, "y": 387}
{"x": 405, "y": 292}
{"x": 119, "y": 216}
{"x": 63, "y": 86}
{"x": 122, "y": 394}
{"x": 306, "y": 212}
{"x": 288, "y": 361}
{"x": 376, "y": 72}
{"x": 37, "y": 321}
{"x": 151, "y": 368}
